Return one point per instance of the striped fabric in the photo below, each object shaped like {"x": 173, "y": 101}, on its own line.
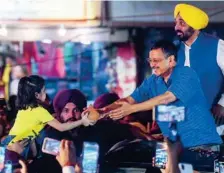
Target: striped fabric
{"x": 199, "y": 126}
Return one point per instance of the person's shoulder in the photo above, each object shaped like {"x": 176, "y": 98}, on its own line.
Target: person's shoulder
{"x": 210, "y": 37}
{"x": 184, "y": 70}
{"x": 151, "y": 78}
{"x": 40, "y": 109}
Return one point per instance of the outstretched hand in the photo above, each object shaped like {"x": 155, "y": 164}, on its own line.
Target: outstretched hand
{"x": 90, "y": 116}
{"x": 123, "y": 110}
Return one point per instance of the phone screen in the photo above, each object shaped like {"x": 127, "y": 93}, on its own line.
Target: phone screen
{"x": 90, "y": 157}
{"x": 8, "y": 168}
{"x": 221, "y": 167}
{"x": 170, "y": 113}
{"x": 51, "y": 146}
{"x": 161, "y": 155}
{"x": 216, "y": 166}
{"x": 2, "y": 157}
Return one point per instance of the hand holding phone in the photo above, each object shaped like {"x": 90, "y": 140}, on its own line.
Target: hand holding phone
{"x": 216, "y": 166}
{"x": 67, "y": 154}
{"x": 51, "y": 146}
{"x": 221, "y": 167}
{"x": 90, "y": 157}
{"x": 185, "y": 168}
{"x": 161, "y": 155}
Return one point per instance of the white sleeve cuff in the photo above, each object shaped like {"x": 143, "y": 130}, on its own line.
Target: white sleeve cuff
{"x": 221, "y": 101}
{"x": 220, "y": 130}
{"x": 68, "y": 169}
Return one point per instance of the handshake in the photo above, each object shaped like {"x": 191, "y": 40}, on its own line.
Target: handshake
{"x": 91, "y": 115}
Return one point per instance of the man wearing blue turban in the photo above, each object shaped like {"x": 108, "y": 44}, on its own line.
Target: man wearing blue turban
{"x": 202, "y": 52}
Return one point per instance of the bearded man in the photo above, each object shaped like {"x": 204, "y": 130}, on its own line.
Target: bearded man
{"x": 202, "y": 52}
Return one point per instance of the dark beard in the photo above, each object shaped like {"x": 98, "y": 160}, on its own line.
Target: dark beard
{"x": 71, "y": 119}
{"x": 186, "y": 35}
{"x": 184, "y": 38}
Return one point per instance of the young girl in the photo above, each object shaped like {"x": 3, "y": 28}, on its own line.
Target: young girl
{"x": 31, "y": 117}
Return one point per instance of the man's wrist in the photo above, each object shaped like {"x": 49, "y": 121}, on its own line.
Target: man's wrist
{"x": 69, "y": 164}
{"x": 134, "y": 108}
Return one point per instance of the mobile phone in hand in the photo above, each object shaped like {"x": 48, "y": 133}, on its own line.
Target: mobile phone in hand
{"x": 51, "y": 146}
{"x": 90, "y": 157}
{"x": 161, "y": 155}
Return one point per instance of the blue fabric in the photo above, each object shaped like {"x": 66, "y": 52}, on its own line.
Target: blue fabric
{"x": 9, "y": 138}
{"x": 199, "y": 126}
{"x": 26, "y": 153}
{"x": 203, "y": 59}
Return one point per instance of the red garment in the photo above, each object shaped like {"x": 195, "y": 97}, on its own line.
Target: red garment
{"x": 50, "y": 61}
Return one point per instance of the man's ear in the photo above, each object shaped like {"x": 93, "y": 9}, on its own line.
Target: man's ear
{"x": 172, "y": 60}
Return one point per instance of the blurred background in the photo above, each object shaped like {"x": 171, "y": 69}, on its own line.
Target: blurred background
{"x": 94, "y": 46}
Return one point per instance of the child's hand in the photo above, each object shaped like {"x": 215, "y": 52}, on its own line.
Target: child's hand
{"x": 19, "y": 146}
{"x": 86, "y": 121}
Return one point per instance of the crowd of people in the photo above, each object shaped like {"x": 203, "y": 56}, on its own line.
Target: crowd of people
{"x": 189, "y": 75}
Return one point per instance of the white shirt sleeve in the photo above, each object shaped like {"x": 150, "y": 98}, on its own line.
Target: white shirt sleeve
{"x": 220, "y": 61}
{"x": 68, "y": 169}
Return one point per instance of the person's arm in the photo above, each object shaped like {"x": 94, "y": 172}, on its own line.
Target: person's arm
{"x": 67, "y": 156}
{"x": 183, "y": 87}
{"x": 19, "y": 146}
{"x": 46, "y": 118}
{"x": 173, "y": 151}
{"x": 165, "y": 98}
{"x": 116, "y": 104}
{"x": 65, "y": 126}
{"x": 140, "y": 94}
{"x": 127, "y": 109}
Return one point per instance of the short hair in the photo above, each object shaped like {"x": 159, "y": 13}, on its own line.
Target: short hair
{"x": 27, "y": 88}
{"x": 167, "y": 47}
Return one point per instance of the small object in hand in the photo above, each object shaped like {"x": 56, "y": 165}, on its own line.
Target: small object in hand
{"x": 93, "y": 114}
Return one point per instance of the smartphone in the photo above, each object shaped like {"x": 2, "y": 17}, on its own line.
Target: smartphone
{"x": 161, "y": 155}
{"x": 216, "y": 166}
{"x": 51, "y": 146}
{"x": 90, "y": 157}
{"x": 2, "y": 157}
{"x": 221, "y": 167}
{"x": 185, "y": 168}
{"x": 8, "y": 168}
{"x": 170, "y": 113}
